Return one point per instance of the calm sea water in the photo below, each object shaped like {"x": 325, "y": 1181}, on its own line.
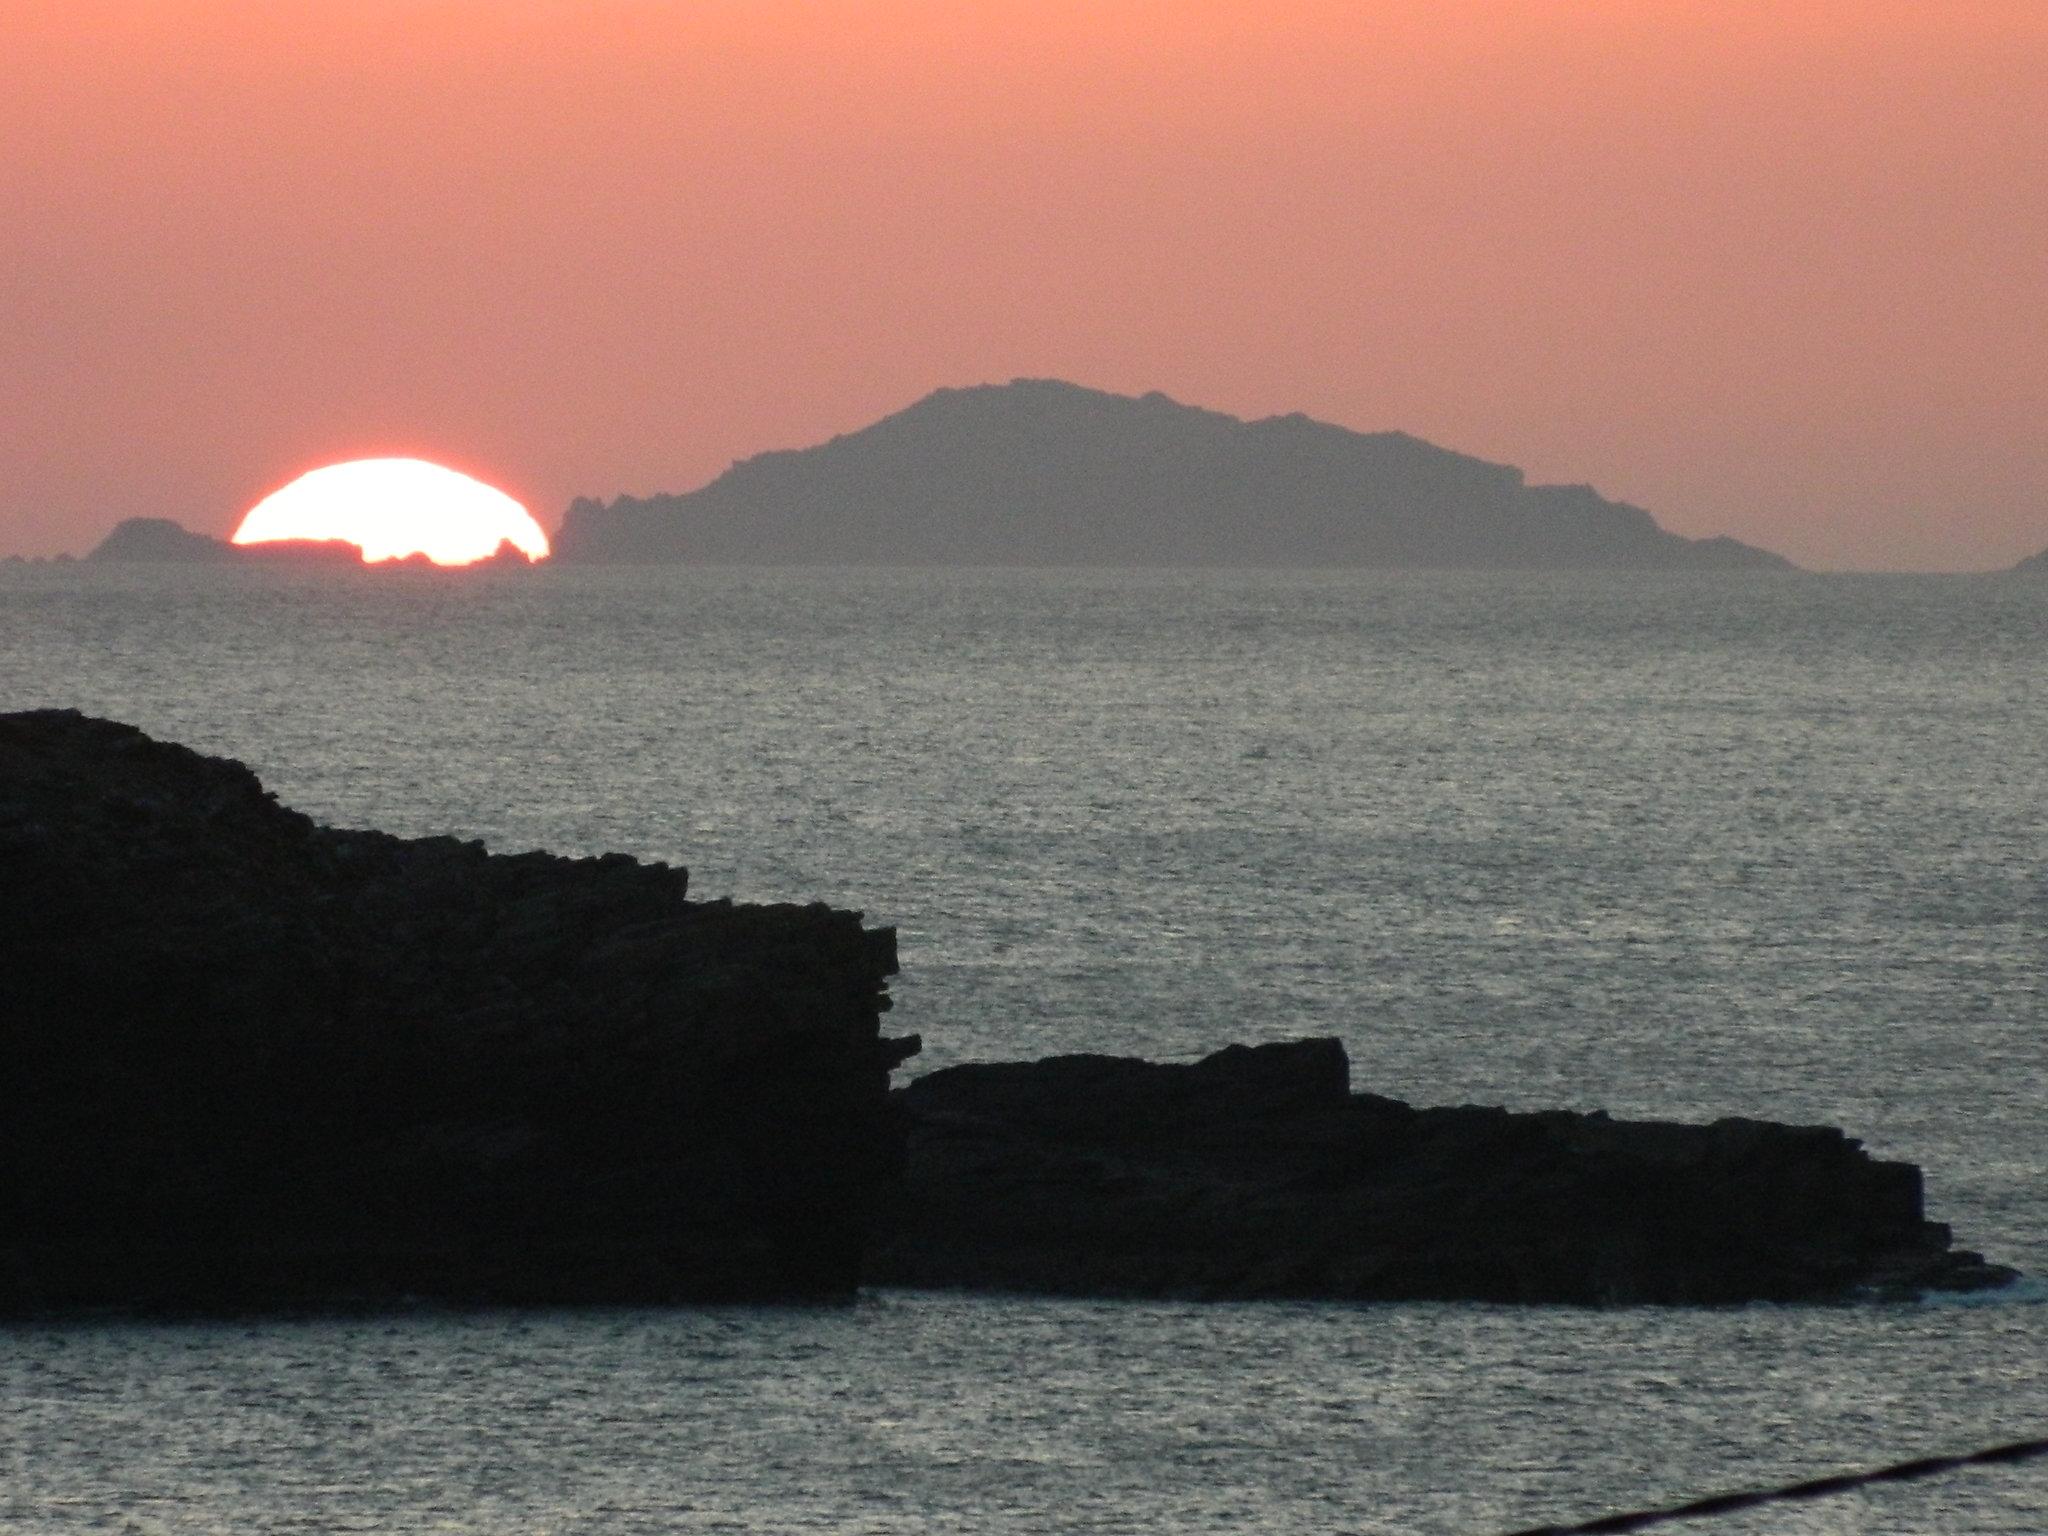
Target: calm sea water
{"x": 1665, "y": 846}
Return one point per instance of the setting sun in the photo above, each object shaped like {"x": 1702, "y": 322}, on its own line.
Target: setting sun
{"x": 392, "y": 508}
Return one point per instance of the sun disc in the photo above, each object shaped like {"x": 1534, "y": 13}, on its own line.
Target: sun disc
{"x": 392, "y": 508}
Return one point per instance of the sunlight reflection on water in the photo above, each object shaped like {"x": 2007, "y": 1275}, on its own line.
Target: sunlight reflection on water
{"x": 1670, "y": 846}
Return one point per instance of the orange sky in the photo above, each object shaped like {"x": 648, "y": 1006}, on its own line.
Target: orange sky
{"x": 1772, "y": 269}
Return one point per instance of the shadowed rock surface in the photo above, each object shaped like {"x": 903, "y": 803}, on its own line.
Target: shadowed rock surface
{"x": 1258, "y": 1173}
{"x": 251, "y": 1061}
{"x": 248, "y": 1061}
{"x": 1039, "y": 472}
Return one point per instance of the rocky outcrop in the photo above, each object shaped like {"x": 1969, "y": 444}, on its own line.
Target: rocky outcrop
{"x": 159, "y": 540}
{"x": 1258, "y": 1173}
{"x": 1040, "y": 472}
{"x": 250, "y": 1061}
{"x": 246, "y": 1060}
{"x": 338, "y": 552}
{"x": 156, "y": 540}
{"x": 2033, "y": 565}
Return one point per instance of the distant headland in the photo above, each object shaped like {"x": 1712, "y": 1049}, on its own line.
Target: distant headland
{"x": 1038, "y": 472}
{"x": 157, "y": 540}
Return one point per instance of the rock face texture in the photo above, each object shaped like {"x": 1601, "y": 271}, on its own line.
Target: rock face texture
{"x": 250, "y": 1061}
{"x": 1258, "y": 1173}
{"x": 1040, "y": 472}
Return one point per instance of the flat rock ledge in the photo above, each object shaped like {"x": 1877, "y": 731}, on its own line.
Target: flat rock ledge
{"x": 249, "y": 1062}
{"x": 1256, "y": 1172}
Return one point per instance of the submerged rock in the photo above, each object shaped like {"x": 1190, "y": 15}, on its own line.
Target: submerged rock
{"x": 1256, "y": 1172}
{"x": 251, "y": 1061}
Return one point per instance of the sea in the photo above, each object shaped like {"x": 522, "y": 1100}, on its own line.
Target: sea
{"x": 1679, "y": 846}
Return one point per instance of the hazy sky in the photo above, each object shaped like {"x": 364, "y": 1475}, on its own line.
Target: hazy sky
{"x": 1778, "y": 269}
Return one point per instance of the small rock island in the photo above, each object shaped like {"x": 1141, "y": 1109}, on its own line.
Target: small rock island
{"x": 252, "y": 1062}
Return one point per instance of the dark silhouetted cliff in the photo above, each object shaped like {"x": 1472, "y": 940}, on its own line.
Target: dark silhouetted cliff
{"x": 1038, "y": 472}
{"x": 1257, "y": 1172}
{"x": 248, "y": 1061}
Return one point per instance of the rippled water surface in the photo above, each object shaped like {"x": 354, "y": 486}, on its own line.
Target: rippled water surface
{"x": 1673, "y": 846}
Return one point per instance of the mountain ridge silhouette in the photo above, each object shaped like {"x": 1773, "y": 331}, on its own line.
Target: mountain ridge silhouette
{"x": 1044, "y": 472}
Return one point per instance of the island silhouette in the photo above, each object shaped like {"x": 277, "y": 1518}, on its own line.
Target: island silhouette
{"x": 142, "y": 540}
{"x": 1040, "y": 472}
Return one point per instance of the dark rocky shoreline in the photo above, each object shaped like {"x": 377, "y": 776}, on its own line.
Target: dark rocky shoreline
{"x": 1256, "y": 1173}
{"x": 252, "y": 1063}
